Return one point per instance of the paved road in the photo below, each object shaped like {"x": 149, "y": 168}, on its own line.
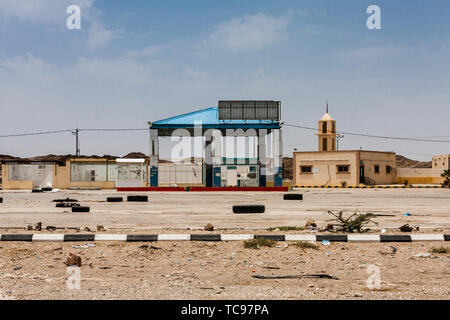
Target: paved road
{"x": 430, "y": 208}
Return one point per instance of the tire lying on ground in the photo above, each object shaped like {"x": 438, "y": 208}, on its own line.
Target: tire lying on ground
{"x": 249, "y": 209}
{"x": 47, "y": 189}
{"x": 137, "y": 198}
{"x": 114, "y": 199}
{"x": 36, "y": 190}
{"x": 80, "y": 209}
{"x": 292, "y": 196}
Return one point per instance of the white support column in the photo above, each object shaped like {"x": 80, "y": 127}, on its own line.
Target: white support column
{"x": 262, "y": 134}
{"x": 277, "y": 152}
{"x": 154, "y": 157}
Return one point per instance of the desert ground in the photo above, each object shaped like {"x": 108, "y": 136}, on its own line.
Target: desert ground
{"x": 223, "y": 270}
{"x": 429, "y": 208}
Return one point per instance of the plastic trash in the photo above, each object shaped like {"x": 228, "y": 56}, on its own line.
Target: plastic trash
{"x": 407, "y": 214}
{"x": 325, "y": 242}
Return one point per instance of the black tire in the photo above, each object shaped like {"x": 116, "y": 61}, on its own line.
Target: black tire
{"x": 292, "y": 196}
{"x": 47, "y": 189}
{"x": 80, "y": 209}
{"x": 137, "y": 198}
{"x": 249, "y": 209}
{"x": 114, "y": 199}
{"x": 65, "y": 200}
{"x": 36, "y": 190}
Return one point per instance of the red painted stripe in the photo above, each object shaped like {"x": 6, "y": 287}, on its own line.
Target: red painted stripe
{"x": 160, "y": 189}
{"x": 279, "y": 189}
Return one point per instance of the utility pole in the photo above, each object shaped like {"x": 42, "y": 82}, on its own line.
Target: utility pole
{"x": 77, "y": 142}
{"x": 338, "y": 137}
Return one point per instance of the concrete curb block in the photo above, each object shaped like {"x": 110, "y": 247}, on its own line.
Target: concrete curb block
{"x": 236, "y": 237}
{"x": 110, "y": 237}
{"x": 174, "y": 237}
{"x": 48, "y": 237}
{"x": 223, "y": 237}
{"x": 363, "y": 238}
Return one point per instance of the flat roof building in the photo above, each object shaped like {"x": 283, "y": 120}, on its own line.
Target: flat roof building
{"x": 332, "y": 167}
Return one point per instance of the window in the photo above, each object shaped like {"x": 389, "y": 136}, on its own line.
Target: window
{"x": 388, "y": 169}
{"x": 377, "y": 169}
{"x": 324, "y": 127}
{"x": 85, "y": 171}
{"x": 305, "y": 169}
{"x": 324, "y": 144}
{"x": 343, "y": 168}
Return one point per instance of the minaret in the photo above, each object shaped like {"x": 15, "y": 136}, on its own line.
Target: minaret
{"x": 327, "y": 133}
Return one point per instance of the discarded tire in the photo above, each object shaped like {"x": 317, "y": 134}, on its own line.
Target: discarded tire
{"x": 36, "y": 190}
{"x": 80, "y": 209}
{"x": 137, "y": 198}
{"x": 65, "y": 200}
{"x": 46, "y": 189}
{"x": 66, "y": 205}
{"x": 114, "y": 199}
{"x": 293, "y": 196}
{"x": 249, "y": 209}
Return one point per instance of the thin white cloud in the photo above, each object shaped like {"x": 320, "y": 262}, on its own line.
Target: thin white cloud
{"x": 369, "y": 53}
{"x": 248, "y": 33}
{"x": 98, "y": 36}
{"x": 147, "y": 51}
{"x": 40, "y": 11}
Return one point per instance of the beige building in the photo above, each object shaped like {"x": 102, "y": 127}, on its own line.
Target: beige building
{"x": 331, "y": 167}
{"x": 74, "y": 173}
{"x": 425, "y": 175}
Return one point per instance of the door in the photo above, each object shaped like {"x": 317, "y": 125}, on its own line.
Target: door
{"x": 362, "y": 178}
{"x": 232, "y": 177}
{"x": 130, "y": 174}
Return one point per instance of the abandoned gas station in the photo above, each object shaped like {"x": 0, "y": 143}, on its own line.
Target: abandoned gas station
{"x": 250, "y": 125}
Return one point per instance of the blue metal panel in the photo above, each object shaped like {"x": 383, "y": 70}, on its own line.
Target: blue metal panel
{"x": 262, "y": 178}
{"x": 209, "y": 118}
{"x": 153, "y": 176}
{"x": 216, "y": 177}
{"x": 278, "y": 177}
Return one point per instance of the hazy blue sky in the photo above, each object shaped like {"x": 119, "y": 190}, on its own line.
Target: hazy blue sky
{"x": 139, "y": 61}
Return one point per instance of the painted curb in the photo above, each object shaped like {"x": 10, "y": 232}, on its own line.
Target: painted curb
{"x": 38, "y": 237}
{"x": 369, "y": 187}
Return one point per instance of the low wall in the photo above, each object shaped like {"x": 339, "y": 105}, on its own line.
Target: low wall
{"x": 419, "y": 176}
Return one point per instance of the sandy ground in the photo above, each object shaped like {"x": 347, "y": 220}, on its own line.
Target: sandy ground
{"x": 224, "y": 270}
{"x": 429, "y": 208}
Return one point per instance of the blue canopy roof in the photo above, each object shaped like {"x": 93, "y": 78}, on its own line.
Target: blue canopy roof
{"x": 209, "y": 118}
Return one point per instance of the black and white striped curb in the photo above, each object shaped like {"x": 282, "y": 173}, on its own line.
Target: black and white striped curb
{"x": 223, "y": 237}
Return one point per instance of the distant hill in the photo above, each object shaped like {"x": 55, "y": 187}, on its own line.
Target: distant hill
{"x": 403, "y": 162}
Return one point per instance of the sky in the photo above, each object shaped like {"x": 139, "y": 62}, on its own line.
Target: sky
{"x": 138, "y": 61}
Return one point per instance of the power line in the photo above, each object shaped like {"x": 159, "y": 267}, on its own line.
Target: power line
{"x": 71, "y": 131}
{"x": 115, "y": 129}
{"x": 146, "y": 129}
{"x": 33, "y": 133}
{"x": 371, "y": 136}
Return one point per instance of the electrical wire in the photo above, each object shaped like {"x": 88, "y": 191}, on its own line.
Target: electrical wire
{"x": 371, "y": 136}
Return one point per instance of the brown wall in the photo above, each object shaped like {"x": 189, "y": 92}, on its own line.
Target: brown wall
{"x": 324, "y": 170}
{"x": 324, "y": 167}
{"x": 382, "y": 159}
{"x": 61, "y": 178}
